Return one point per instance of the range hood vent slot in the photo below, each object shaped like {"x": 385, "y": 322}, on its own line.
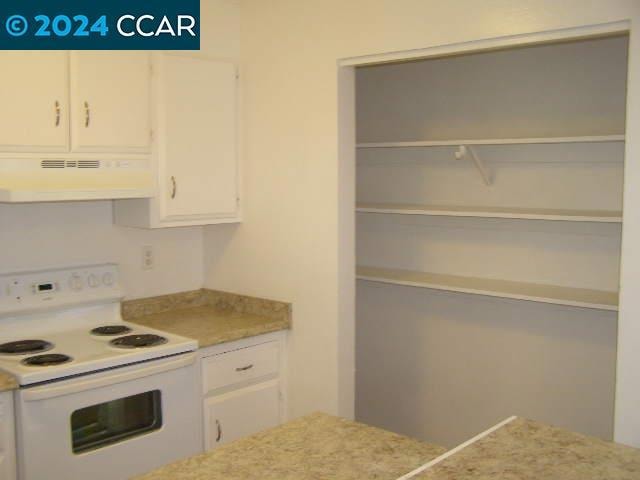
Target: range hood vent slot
{"x": 70, "y": 164}
{"x": 52, "y": 164}
{"x": 88, "y": 163}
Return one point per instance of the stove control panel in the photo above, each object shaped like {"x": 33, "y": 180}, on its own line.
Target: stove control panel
{"x": 23, "y": 292}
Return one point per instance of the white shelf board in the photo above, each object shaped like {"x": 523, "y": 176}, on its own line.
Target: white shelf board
{"x": 534, "y": 292}
{"x": 495, "y": 141}
{"x": 602, "y": 216}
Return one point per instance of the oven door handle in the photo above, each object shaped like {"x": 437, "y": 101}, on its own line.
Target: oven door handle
{"x": 104, "y": 379}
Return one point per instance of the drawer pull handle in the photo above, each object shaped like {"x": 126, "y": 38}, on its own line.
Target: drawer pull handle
{"x": 219, "y": 427}
{"x": 243, "y": 369}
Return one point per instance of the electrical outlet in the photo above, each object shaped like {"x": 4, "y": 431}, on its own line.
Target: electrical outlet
{"x": 148, "y": 261}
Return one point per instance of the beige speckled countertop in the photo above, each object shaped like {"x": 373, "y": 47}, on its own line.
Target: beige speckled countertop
{"x": 315, "y": 447}
{"x": 527, "y": 450}
{"x": 209, "y": 316}
{"x": 7, "y": 381}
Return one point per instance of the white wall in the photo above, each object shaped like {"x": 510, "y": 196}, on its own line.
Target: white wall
{"x": 34, "y": 236}
{"x": 220, "y": 28}
{"x": 288, "y": 246}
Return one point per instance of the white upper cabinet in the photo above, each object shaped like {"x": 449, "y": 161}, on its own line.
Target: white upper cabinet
{"x": 34, "y": 97}
{"x": 197, "y": 128}
{"x": 195, "y": 146}
{"x": 58, "y": 101}
{"x": 110, "y": 101}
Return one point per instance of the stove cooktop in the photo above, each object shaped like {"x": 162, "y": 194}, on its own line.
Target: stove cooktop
{"x": 81, "y": 350}
{"x": 64, "y": 322}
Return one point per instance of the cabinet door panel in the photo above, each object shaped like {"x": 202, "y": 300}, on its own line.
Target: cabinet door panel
{"x": 111, "y": 101}
{"x": 35, "y": 103}
{"x": 241, "y": 413}
{"x": 197, "y": 138}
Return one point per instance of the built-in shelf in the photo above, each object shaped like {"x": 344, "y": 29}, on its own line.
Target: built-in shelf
{"x": 534, "y": 292}
{"x": 495, "y": 141}
{"x": 601, "y": 216}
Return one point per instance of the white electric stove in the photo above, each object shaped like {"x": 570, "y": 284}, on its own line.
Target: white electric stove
{"x": 93, "y": 387}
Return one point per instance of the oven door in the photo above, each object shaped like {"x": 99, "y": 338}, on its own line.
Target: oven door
{"x": 110, "y": 425}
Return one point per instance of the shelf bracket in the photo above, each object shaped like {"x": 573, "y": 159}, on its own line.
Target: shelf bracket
{"x": 464, "y": 151}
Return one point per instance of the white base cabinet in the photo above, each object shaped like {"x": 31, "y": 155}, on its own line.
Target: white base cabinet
{"x": 243, "y": 388}
{"x": 242, "y": 412}
{"x": 7, "y": 437}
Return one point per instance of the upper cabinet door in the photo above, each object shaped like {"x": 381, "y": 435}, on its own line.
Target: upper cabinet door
{"x": 197, "y": 136}
{"x": 110, "y": 100}
{"x": 34, "y": 101}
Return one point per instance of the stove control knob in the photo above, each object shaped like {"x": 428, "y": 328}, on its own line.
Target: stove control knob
{"x": 93, "y": 281}
{"x": 107, "y": 279}
{"x": 75, "y": 282}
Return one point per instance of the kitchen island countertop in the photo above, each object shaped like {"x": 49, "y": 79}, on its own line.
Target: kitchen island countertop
{"x": 526, "y": 450}
{"x": 322, "y": 447}
{"x": 314, "y": 447}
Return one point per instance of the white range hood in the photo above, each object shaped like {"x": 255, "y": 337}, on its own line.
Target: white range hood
{"x": 74, "y": 179}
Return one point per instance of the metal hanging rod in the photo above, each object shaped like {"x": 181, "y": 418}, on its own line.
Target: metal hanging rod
{"x": 464, "y": 151}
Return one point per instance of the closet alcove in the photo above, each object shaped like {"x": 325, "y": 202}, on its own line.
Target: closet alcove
{"x": 489, "y": 218}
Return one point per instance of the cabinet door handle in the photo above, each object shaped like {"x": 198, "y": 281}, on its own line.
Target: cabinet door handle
{"x": 174, "y": 187}
{"x": 57, "y": 106}
{"x": 87, "y": 115}
{"x": 219, "y": 428}
{"x": 242, "y": 369}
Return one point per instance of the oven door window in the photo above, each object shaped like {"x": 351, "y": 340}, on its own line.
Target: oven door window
{"x": 115, "y": 421}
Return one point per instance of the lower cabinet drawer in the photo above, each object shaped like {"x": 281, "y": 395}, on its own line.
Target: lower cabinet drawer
{"x": 239, "y": 365}
{"x": 241, "y": 412}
